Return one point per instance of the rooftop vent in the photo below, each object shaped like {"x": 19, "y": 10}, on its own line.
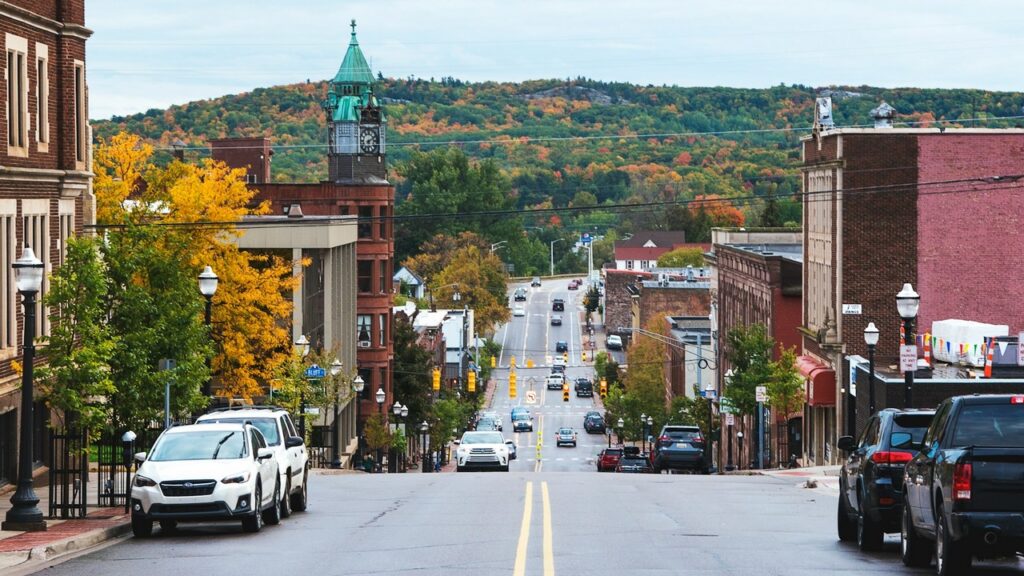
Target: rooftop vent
{"x": 294, "y": 211}
{"x": 883, "y": 115}
{"x": 823, "y": 113}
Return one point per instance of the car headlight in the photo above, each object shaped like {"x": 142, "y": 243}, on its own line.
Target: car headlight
{"x": 462, "y": 450}
{"x": 236, "y": 478}
{"x": 142, "y": 481}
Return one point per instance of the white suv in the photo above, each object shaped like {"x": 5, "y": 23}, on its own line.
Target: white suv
{"x": 282, "y": 437}
{"x": 481, "y": 450}
{"x": 209, "y": 472}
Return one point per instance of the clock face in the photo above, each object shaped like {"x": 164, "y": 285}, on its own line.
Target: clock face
{"x": 368, "y": 140}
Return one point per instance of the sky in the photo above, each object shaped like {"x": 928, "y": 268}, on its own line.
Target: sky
{"x": 152, "y": 54}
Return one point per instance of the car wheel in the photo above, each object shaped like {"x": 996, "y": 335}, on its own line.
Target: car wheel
{"x": 168, "y": 525}
{"x": 286, "y": 498}
{"x": 913, "y": 548}
{"x": 300, "y": 499}
{"x": 272, "y": 515}
{"x": 459, "y": 468}
{"x": 951, "y": 557}
{"x": 847, "y": 528}
{"x": 142, "y": 527}
{"x": 869, "y": 533}
{"x": 254, "y": 522}
{"x": 504, "y": 468}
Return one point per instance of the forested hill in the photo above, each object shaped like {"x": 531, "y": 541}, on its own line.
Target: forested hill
{"x": 556, "y": 138}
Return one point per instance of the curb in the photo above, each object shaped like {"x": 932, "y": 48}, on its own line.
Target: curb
{"x": 22, "y": 559}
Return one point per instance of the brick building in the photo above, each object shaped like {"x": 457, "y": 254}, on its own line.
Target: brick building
{"x": 45, "y": 176}
{"x": 882, "y": 207}
{"x": 357, "y": 186}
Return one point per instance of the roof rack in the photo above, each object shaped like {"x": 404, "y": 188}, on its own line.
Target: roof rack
{"x": 237, "y": 408}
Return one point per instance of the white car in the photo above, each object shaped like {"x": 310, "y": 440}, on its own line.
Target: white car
{"x": 206, "y": 472}
{"x": 481, "y": 450}
{"x": 518, "y": 310}
{"x": 281, "y": 436}
{"x": 614, "y": 342}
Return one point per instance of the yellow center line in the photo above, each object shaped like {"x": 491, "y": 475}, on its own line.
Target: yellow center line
{"x": 538, "y": 463}
{"x": 524, "y": 533}
{"x": 549, "y": 556}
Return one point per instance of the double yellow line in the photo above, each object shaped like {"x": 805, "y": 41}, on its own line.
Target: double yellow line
{"x": 524, "y": 532}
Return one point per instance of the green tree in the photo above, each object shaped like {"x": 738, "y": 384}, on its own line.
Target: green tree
{"x": 692, "y": 411}
{"x": 412, "y": 366}
{"x": 376, "y": 432}
{"x": 771, "y": 216}
{"x": 786, "y": 387}
{"x": 591, "y": 300}
{"x": 681, "y": 258}
{"x": 749, "y": 352}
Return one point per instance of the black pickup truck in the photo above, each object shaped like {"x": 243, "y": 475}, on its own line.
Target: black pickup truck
{"x": 964, "y": 490}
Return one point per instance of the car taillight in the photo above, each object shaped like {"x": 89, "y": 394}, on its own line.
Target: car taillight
{"x": 891, "y": 457}
{"x": 665, "y": 439}
{"x": 962, "y": 481}
{"x": 1017, "y": 400}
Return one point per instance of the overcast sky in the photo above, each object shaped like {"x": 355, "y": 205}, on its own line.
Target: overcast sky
{"x": 151, "y": 54}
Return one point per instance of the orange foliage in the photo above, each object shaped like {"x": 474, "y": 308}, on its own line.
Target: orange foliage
{"x": 683, "y": 159}
{"x": 721, "y": 210}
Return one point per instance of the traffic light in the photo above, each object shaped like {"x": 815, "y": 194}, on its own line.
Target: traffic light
{"x": 604, "y": 388}
{"x": 471, "y": 381}
{"x": 512, "y": 384}
{"x": 565, "y": 356}
{"x": 565, "y": 392}
{"x": 583, "y": 355}
{"x": 436, "y": 379}
{"x": 494, "y": 361}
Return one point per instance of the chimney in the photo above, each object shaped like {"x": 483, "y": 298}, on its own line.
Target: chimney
{"x": 883, "y": 115}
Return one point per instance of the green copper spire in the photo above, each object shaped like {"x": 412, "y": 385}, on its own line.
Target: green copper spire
{"x": 354, "y": 70}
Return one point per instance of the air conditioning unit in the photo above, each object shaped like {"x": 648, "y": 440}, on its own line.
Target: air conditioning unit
{"x": 364, "y": 344}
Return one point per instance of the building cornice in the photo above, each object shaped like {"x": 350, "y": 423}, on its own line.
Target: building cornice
{"x": 44, "y": 175}
{"x": 43, "y": 23}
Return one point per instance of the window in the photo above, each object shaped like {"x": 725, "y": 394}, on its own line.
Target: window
{"x": 66, "y": 228}
{"x": 365, "y": 274}
{"x": 81, "y": 114}
{"x": 364, "y": 325}
{"x": 365, "y": 222}
{"x": 36, "y": 235}
{"x": 382, "y": 329}
{"x": 383, "y": 224}
{"x": 382, "y": 269}
{"x": 42, "y": 95}
{"x": 17, "y": 96}
{"x": 629, "y": 264}
{"x": 8, "y": 295}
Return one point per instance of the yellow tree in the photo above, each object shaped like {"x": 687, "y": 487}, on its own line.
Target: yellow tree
{"x": 481, "y": 285}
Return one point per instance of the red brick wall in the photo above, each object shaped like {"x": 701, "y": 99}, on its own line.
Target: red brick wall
{"x": 252, "y": 154}
{"x": 970, "y": 234}
{"x": 617, "y": 299}
{"x": 658, "y": 302}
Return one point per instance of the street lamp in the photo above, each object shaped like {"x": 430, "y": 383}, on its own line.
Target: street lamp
{"x": 425, "y": 440}
{"x": 621, "y": 425}
{"x": 208, "y": 287}
{"x": 650, "y": 430}
{"x": 380, "y": 396}
{"x": 455, "y": 296}
{"x": 302, "y": 349}
{"x": 871, "y": 339}
{"x": 24, "y": 514}
{"x": 728, "y": 466}
{"x": 336, "y": 367}
{"x": 907, "y": 303}
{"x": 739, "y": 438}
{"x": 608, "y": 433}
{"x": 397, "y": 410}
{"x": 357, "y": 388}
{"x": 553, "y": 254}
{"x": 643, "y": 431}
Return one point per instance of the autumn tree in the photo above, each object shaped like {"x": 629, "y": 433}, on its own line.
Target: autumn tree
{"x": 480, "y": 280}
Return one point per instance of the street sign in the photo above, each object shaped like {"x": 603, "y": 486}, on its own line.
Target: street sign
{"x": 313, "y": 410}
{"x": 725, "y": 405}
{"x": 710, "y": 394}
{"x": 730, "y": 420}
{"x": 761, "y": 393}
{"x": 908, "y": 358}
{"x": 852, "y": 309}
{"x": 585, "y": 238}
{"x": 315, "y": 371}
{"x": 531, "y": 397}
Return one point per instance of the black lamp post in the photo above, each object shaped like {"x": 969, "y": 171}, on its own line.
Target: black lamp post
{"x": 871, "y": 339}
{"x": 24, "y": 514}
{"x": 357, "y": 388}
{"x": 608, "y": 433}
{"x": 425, "y": 437}
{"x": 302, "y": 348}
{"x": 336, "y": 367}
{"x": 643, "y": 432}
{"x": 739, "y": 440}
{"x": 907, "y": 303}
{"x": 396, "y": 409}
{"x": 620, "y": 425}
{"x": 380, "y": 397}
{"x": 650, "y": 431}
{"x": 208, "y": 287}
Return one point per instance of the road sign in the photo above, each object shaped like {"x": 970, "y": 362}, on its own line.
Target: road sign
{"x": 586, "y": 238}
{"x": 730, "y": 420}
{"x": 725, "y": 405}
{"x": 908, "y": 358}
{"x": 531, "y": 396}
{"x": 761, "y": 393}
{"x": 313, "y": 410}
{"x": 710, "y": 394}
{"x": 315, "y": 371}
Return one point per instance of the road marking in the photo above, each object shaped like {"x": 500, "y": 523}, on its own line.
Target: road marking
{"x": 549, "y": 556}
{"x": 524, "y": 533}
{"x": 540, "y": 443}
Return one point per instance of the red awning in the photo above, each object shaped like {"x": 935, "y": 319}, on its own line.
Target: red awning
{"x": 821, "y": 381}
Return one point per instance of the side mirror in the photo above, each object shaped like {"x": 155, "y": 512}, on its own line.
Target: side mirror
{"x": 846, "y": 443}
{"x": 140, "y": 457}
{"x": 293, "y": 442}
{"x": 456, "y": 442}
{"x": 264, "y": 453}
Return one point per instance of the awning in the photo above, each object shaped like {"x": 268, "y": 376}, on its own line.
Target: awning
{"x": 821, "y": 381}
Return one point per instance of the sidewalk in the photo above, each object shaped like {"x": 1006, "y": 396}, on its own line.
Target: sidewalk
{"x": 24, "y": 552}
{"x": 815, "y": 477}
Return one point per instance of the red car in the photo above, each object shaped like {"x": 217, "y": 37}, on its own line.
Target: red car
{"x": 608, "y": 459}
{"x": 573, "y": 284}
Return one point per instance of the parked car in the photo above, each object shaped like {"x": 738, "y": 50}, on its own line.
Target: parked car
{"x": 554, "y": 381}
{"x": 206, "y": 472}
{"x": 561, "y": 346}
{"x": 511, "y": 449}
{"x": 679, "y": 448}
{"x": 633, "y": 461}
{"x": 535, "y": 282}
{"x": 518, "y": 310}
{"x": 283, "y": 438}
{"x": 608, "y": 459}
{"x": 594, "y": 424}
{"x": 481, "y": 449}
{"x": 565, "y": 435}
{"x": 519, "y": 295}
{"x": 871, "y": 481}
{"x": 556, "y": 320}
{"x": 614, "y": 342}
{"x": 522, "y": 420}
{"x": 964, "y": 488}
{"x": 558, "y": 305}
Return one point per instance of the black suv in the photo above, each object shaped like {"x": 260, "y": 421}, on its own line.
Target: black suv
{"x": 871, "y": 481}
{"x": 680, "y": 447}
{"x": 558, "y": 305}
{"x": 594, "y": 424}
{"x": 520, "y": 295}
{"x": 561, "y": 346}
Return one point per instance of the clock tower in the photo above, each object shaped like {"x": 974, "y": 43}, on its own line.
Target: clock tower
{"x": 355, "y": 122}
